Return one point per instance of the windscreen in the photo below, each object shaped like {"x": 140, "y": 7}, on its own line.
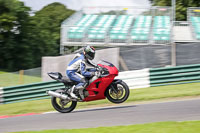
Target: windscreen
{"x": 105, "y": 63}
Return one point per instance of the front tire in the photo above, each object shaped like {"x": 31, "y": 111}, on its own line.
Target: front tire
{"x": 118, "y": 92}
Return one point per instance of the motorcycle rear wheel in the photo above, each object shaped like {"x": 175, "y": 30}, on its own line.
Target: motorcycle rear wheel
{"x": 63, "y": 106}
{"x": 120, "y": 94}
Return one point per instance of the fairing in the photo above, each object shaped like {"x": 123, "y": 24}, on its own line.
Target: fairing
{"x": 98, "y": 87}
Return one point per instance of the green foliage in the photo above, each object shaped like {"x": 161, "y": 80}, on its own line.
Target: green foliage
{"x": 47, "y": 24}
{"x": 24, "y": 39}
{"x": 181, "y": 6}
{"x": 1, "y": 72}
{"x": 14, "y": 18}
{"x": 157, "y": 127}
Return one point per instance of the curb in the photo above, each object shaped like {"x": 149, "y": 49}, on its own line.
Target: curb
{"x": 10, "y": 116}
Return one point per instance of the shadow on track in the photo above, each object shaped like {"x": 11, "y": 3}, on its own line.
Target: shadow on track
{"x": 104, "y": 108}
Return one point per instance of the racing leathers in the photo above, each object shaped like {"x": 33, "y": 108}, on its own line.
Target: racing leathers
{"x": 77, "y": 72}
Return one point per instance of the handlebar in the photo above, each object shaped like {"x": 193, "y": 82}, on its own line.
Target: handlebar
{"x": 102, "y": 72}
{"x": 98, "y": 71}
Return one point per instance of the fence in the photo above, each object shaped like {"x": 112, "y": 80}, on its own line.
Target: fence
{"x": 135, "y": 79}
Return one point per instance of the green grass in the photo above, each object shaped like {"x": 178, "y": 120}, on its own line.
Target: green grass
{"x": 1, "y": 72}
{"x": 13, "y": 79}
{"x": 136, "y": 95}
{"x": 159, "y": 127}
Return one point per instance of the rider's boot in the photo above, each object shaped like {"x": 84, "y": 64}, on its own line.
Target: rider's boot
{"x": 72, "y": 93}
{"x": 81, "y": 88}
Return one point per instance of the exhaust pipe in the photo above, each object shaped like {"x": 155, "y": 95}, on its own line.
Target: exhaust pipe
{"x": 58, "y": 95}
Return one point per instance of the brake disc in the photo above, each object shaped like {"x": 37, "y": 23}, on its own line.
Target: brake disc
{"x": 119, "y": 92}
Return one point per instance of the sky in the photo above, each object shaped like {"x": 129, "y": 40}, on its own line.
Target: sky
{"x": 79, "y": 4}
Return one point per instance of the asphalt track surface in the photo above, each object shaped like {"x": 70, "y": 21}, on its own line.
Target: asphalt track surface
{"x": 109, "y": 116}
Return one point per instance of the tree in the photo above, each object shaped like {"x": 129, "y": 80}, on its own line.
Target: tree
{"x": 46, "y": 35}
{"x": 14, "y": 20}
{"x": 181, "y": 6}
{"x": 24, "y": 39}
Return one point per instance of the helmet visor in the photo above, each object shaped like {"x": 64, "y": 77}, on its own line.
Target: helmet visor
{"x": 90, "y": 55}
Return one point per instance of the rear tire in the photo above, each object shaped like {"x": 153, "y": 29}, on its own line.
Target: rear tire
{"x": 59, "y": 104}
{"x": 121, "y": 95}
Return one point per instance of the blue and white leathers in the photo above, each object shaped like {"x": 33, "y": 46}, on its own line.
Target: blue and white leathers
{"x": 78, "y": 64}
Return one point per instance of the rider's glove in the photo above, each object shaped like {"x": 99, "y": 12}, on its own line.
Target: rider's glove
{"x": 98, "y": 68}
{"x": 97, "y": 73}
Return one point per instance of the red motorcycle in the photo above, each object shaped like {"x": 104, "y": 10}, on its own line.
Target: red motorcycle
{"x": 101, "y": 86}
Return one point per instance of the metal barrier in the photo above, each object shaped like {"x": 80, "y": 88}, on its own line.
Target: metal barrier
{"x": 1, "y": 95}
{"x": 178, "y": 74}
{"x": 135, "y": 79}
{"x": 161, "y": 76}
{"x": 28, "y": 92}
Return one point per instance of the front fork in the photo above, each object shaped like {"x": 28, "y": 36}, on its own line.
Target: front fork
{"x": 113, "y": 85}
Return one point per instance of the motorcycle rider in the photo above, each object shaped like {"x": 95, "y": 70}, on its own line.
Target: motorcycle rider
{"x": 76, "y": 69}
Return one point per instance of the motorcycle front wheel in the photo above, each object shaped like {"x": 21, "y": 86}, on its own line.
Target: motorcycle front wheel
{"x": 63, "y": 106}
{"x": 118, "y": 93}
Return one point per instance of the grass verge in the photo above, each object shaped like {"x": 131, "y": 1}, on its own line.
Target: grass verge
{"x": 1, "y": 72}
{"x": 136, "y": 95}
{"x": 159, "y": 127}
{"x": 13, "y": 79}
